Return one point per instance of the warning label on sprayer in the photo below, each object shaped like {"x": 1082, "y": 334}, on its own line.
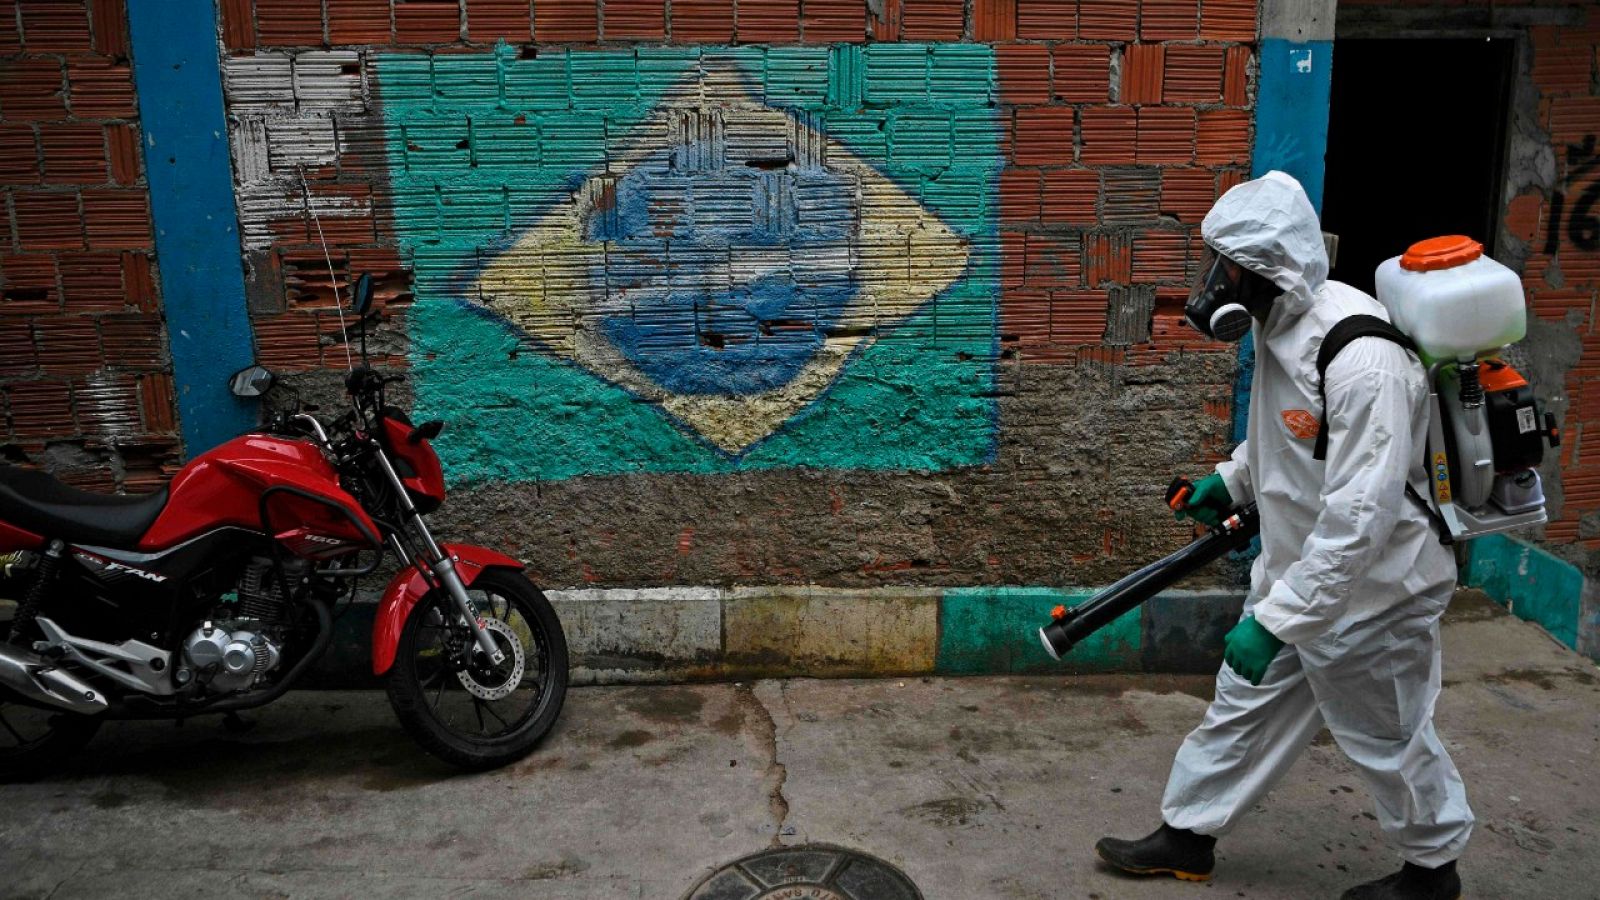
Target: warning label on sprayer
{"x": 1525, "y": 422}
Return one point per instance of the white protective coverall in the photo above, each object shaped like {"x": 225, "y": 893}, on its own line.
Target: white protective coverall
{"x": 1351, "y": 573}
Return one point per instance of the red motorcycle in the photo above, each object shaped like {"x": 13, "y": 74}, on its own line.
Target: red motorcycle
{"x": 215, "y": 595}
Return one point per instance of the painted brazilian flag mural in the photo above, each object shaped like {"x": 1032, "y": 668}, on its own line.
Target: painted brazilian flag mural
{"x": 699, "y": 259}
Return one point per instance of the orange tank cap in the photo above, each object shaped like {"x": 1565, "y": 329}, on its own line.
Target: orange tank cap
{"x": 1495, "y": 375}
{"x": 1445, "y": 252}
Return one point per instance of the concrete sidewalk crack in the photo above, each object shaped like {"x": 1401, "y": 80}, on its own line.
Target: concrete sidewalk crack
{"x": 765, "y": 734}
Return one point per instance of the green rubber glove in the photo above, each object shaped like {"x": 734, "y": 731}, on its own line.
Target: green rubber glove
{"x": 1250, "y": 648}
{"x": 1209, "y": 502}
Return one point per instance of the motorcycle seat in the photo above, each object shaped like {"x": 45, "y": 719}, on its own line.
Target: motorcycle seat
{"x": 40, "y": 503}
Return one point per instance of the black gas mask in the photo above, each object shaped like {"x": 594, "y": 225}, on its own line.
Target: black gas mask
{"x": 1226, "y": 297}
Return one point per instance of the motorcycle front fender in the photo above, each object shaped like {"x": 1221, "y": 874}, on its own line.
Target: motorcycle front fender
{"x": 408, "y": 587}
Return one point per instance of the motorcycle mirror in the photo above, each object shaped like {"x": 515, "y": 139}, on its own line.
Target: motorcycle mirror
{"x": 361, "y": 297}
{"x": 251, "y": 382}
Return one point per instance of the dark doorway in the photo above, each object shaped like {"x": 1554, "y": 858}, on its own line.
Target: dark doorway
{"x": 1416, "y": 146}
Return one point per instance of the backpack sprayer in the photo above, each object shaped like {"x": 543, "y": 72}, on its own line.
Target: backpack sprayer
{"x": 1457, "y": 309}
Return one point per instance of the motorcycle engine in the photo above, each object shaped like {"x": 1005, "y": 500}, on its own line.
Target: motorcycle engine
{"x": 243, "y": 644}
{"x": 229, "y": 656}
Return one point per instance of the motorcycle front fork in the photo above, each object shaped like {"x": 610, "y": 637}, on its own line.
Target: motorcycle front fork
{"x": 442, "y": 566}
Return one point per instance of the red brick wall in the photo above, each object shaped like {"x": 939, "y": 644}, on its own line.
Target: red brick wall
{"x": 85, "y": 386}
{"x": 1562, "y": 273}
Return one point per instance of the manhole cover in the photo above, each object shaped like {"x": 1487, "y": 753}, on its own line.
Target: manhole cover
{"x": 812, "y": 872}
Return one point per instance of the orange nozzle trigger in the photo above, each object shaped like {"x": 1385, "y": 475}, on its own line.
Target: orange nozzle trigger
{"x": 1181, "y": 498}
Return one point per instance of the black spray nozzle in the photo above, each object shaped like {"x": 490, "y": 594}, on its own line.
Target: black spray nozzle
{"x": 1069, "y": 626}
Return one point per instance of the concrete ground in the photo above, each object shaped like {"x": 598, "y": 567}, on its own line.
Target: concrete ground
{"x": 976, "y": 788}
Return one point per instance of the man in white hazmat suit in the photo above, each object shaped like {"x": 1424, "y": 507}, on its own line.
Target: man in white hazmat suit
{"x": 1341, "y": 624}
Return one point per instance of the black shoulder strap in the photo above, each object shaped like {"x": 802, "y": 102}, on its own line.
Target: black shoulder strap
{"x": 1339, "y": 337}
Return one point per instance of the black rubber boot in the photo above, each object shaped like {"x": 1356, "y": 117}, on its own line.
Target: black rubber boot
{"x": 1412, "y": 882}
{"x": 1168, "y": 851}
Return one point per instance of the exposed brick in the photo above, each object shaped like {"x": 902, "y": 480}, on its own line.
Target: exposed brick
{"x": 1013, "y": 256}
{"x": 101, "y": 89}
{"x": 1228, "y": 20}
{"x": 109, "y": 19}
{"x": 358, "y": 22}
{"x": 1187, "y": 194}
{"x": 132, "y": 341}
{"x": 639, "y": 20}
{"x": 427, "y": 21}
{"x": 116, "y": 219}
{"x": 1130, "y": 195}
{"x": 1083, "y": 73}
{"x": 1078, "y": 318}
{"x": 1052, "y": 262}
{"x": 40, "y": 409}
{"x": 1563, "y": 69}
{"x": 1522, "y": 215}
{"x": 1161, "y": 255}
{"x": 1193, "y": 74}
{"x": 1047, "y": 20}
{"x": 1169, "y": 20}
{"x": 702, "y": 21}
{"x": 1222, "y": 137}
{"x": 762, "y": 21}
{"x": 73, "y": 153}
{"x": 1109, "y": 135}
{"x": 29, "y": 284}
{"x": 16, "y": 349}
{"x": 1024, "y": 73}
{"x": 1166, "y": 134}
{"x": 994, "y": 20}
{"x": 1019, "y": 195}
{"x": 55, "y": 26}
{"x": 122, "y": 148}
{"x": 492, "y": 20}
{"x": 68, "y": 345}
{"x": 290, "y": 342}
{"x": 1142, "y": 67}
{"x": 107, "y": 405}
{"x": 931, "y": 20}
{"x": 289, "y": 23}
{"x": 885, "y": 19}
{"x": 1070, "y": 196}
{"x": 47, "y": 221}
{"x": 831, "y": 21}
{"x": 155, "y": 403}
{"x": 10, "y": 34}
{"x": 1107, "y": 20}
{"x": 91, "y": 282}
{"x": 33, "y": 89}
{"x": 138, "y": 282}
{"x": 19, "y": 155}
{"x": 1043, "y": 136}
{"x": 1235, "y": 76}
{"x": 1107, "y": 258}
{"x": 239, "y": 24}
{"x": 565, "y": 22}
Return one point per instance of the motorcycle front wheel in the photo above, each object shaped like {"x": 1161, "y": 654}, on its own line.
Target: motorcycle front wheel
{"x": 457, "y": 704}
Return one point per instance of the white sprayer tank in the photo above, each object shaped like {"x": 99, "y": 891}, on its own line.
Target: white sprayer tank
{"x": 1452, "y": 300}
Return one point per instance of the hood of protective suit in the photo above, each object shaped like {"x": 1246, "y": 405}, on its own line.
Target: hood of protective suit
{"x": 1269, "y": 226}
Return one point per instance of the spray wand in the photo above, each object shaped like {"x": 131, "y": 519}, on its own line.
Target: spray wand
{"x": 1069, "y": 626}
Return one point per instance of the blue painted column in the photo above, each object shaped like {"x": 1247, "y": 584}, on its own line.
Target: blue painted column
{"x": 179, "y": 80}
{"x": 1293, "y": 91}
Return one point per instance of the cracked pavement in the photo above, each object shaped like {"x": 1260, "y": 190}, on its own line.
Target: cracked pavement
{"x": 974, "y": 787}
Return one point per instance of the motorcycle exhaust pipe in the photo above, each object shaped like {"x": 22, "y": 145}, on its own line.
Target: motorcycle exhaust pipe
{"x": 31, "y": 678}
{"x": 1070, "y": 626}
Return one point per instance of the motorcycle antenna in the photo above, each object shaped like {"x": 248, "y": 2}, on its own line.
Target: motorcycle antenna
{"x": 333, "y": 279}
